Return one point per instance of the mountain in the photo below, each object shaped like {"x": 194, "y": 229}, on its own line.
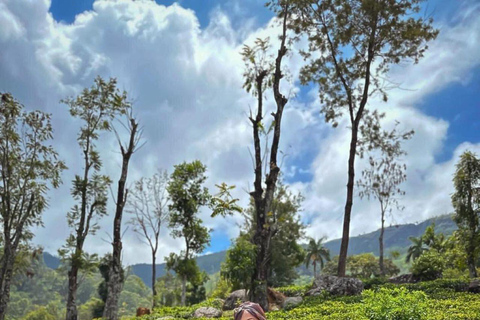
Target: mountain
{"x": 395, "y": 237}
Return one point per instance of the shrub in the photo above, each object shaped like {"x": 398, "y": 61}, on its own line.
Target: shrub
{"x": 395, "y": 304}
{"x": 291, "y": 291}
{"x": 429, "y": 266}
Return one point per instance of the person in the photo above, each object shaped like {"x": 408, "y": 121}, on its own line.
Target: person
{"x": 249, "y": 311}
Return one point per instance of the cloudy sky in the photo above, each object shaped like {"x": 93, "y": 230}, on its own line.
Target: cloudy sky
{"x": 181, "y": 66}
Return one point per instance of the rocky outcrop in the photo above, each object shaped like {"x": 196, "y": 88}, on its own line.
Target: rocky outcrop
{"x": 235, "y": 299}
{"x": 207, "y": 312}
{"x": 338, "y": 286}
{"x": 291, "y": 302}
{"x": 275, "y": 299}
{"x": 474, "y": 286}
{"x": 404, "y": 278}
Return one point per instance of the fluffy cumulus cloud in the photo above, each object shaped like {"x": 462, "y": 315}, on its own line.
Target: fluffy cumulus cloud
{"x": 186, "y": 85}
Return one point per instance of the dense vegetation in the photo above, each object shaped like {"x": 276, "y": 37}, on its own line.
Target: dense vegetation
{"x": 440, "y": 299}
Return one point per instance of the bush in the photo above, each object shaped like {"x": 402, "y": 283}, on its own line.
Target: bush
{"x": 395, "y": 304}
{"x": 292, "y": 291}
{"x": 429, "y": 266}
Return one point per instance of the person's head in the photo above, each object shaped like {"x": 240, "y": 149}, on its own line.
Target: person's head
{"x": 249, "y": 311}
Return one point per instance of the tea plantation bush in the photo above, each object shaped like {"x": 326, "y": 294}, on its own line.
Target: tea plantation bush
{"x": 432, "y": 300}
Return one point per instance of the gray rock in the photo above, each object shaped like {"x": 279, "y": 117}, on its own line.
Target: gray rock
{"x": 339, "y": 286}
{"x": 474, "y": 286}
{"x": 291, "y": 302}
{"x": 207, "y": 312}
{"x": 404, "y": 278}
{"x": 235, "y": 299}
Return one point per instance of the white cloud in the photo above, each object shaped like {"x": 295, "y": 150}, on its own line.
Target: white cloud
{"x": 428, "y": 188}
{"x": 186, "y": 84}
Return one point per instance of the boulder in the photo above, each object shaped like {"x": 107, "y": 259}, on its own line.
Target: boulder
{"x": 207, "y": 312}
{"x": 474, "y": 286}
{"x": 235, "y": 299}
{"x": 142, "y": 311}
{"x": 404, "y": 278}
{"x": 291, "y": 302}
{"x": 339, "y": 286}
{"x": 275, "y": 299}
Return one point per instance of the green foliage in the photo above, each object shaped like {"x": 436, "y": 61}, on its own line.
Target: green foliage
{"x": 222, "y": 289}
{"x": 396, "y": 304}
{"x": 466, "y": 201}
{"x": 429, "y": 266}
{"x": 363, "y": 266}
{"x": 239, "y": 263}
{"x": 41, "y": 313}
{"x": 187, "y": 196}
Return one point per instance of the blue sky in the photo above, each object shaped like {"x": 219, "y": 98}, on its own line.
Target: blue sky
{"x": 183, "y": 70}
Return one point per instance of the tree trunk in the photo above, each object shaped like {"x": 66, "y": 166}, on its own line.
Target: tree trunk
{"x": 342, "y": 259}
{"x": 115, "y": 281}
{"x": 472, "y": 270}
{"x": 154, "y": 277}
{"x": 258, "y": 291}
{"x": 183, "y": 301}
{"x": 5, "y": 281}
{"x": 314, "y": 270}
{"x": 72, "y": 292}
{"x": 380, "y": 240}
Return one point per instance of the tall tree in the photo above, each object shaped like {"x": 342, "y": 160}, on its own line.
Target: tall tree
{"x": 352, "y": 45}
{"x": 96, "y": 108}
{"x": 148, "y": 202}
{"x": 187, "y": 196}
{"x": 285, "y": 252}
{"x": 260, "y": 73}
{"x": 28, "y": 166}
{"x": 316, "y": 253}
{"x": 466, "y": 201}
{"x": 382, "y": 178}
{"x": 115, "y": 278}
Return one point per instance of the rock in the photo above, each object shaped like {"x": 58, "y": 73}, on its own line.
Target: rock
{"x": 339, "y": 286}
{"x": 291, "y": 302}
{"x": 142, "y": 311}
{"x": 474, "y": 286}
{"x": 275, "y": 299}
{"x": 404, "y": 278}
{"x": 235, "y": 299}
{"x": 207, "y": 312}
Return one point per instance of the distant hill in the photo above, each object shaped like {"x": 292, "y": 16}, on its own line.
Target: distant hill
{"x": 396, "y": 238}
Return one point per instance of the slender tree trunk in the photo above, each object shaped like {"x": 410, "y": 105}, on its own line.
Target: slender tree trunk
{"x": 183, "y": 301}
{"x": 258, "y": 291}
{"x": 154, "y": 278}
{"x": 342, "y": 259}
{"x": 380, "y": 239}
{"x": 115, "y": 279}
{"x": 5, "y": 281}
{"x": 72, "y": 292}
{"x": 263, "y": 233}
{"x": 472, "y": 270}
{"x": 314, "y": 270}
